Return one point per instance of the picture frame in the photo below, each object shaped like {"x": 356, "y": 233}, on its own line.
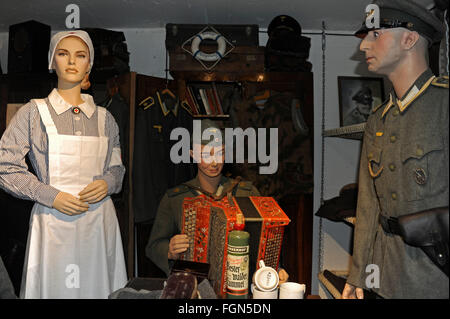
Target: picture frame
{"x": 357, "y": 97}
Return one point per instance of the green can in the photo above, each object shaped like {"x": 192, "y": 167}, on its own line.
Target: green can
{"x": 237, "y": 264}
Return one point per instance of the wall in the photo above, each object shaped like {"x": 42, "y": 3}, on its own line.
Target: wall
{"x": 341, "y": 156}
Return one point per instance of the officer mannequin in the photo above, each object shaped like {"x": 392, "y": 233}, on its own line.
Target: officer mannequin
{"x": 74, "y": 247}
{"x": 404, "y": 158}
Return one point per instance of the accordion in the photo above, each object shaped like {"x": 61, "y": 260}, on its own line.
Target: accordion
{"x": 207, "y": 223}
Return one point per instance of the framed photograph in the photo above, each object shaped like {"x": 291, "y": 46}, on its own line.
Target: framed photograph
{"x": 357, "y": 97}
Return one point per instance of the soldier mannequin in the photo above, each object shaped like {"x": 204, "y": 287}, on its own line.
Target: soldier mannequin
{"x": 166, "y": 242}
{"x": 393, "y": 182}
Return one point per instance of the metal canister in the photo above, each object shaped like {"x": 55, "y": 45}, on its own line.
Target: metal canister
{"x": 237, "y": 264}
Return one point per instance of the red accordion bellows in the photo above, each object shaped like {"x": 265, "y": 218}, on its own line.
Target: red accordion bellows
{"x": 207, "y": 223}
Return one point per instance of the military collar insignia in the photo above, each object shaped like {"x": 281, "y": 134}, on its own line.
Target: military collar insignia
{"x": 441, "y": 81}
{"x": 402, "y": 104}
{"x": 165, "y": 99}
{"x": 375, "y": 108}
{"x": 387, "y": 107}
{"x": 147, "y": 102}
{"x": 412, "y": 95}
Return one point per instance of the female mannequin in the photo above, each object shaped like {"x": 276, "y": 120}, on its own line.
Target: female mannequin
{"x": 74, "y": 248}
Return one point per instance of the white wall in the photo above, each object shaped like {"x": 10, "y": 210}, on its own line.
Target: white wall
{"x": 147, "y": 56}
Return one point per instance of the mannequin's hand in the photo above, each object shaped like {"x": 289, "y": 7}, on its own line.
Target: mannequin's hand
{"x": 283, "y": 275}
{"x": 177, "y": 245}
{"x": 94, "y": 192}
{"x": 69, "y": 204}
{"x": 352, "y": 292}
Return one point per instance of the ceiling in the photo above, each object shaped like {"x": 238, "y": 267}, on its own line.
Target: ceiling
{"x": 339, "y": 15}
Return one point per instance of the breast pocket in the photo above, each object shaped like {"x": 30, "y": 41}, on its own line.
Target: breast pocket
{"x": 424, "y": 172}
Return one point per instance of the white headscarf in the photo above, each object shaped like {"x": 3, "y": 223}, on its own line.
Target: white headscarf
{"x": 83, "y": 35}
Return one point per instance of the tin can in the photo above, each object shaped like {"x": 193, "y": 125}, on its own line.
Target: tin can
{"x": 237, "y": 264}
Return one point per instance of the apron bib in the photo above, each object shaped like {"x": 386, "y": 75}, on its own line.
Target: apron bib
{"x": 73, "y": 256}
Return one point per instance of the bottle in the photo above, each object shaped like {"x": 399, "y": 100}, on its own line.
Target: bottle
{"x": 237, "y": 264}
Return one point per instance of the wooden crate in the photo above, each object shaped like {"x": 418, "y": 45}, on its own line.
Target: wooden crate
{"x": 240, "y": 60}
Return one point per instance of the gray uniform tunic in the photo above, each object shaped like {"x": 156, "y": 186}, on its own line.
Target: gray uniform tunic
{"x": 403, "y": 169}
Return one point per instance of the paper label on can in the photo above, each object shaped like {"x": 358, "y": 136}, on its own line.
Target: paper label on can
{"x": 237, "y": 269}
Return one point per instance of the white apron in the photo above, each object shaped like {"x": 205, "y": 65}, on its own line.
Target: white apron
{"x": 73, "y": 256}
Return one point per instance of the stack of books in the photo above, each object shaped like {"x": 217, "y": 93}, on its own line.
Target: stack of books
{"x": 205, "y": 98}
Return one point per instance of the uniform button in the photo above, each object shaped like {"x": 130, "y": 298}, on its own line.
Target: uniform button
{"x": 419, "y": 152}
{"x": 78, "y": 133}
{"x": 77, "y": 118}
{"x": 370, "y": 156}
{"x": 392, "y": 167}
{"x": 393, "y": 138}
{"x": 396, "y": 112}
{"x": 394, "y": 196}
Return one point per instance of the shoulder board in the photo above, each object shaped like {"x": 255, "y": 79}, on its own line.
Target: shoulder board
{"x": 245, "y": 185}
{"x": 147, "y": 102}
{"x": 181, "y": 189}
{"x": 441, "y": 81}
{"x": 374, "y": 109}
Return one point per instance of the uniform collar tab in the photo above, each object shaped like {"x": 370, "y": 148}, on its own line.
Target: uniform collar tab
{"x": 416, "y": 89}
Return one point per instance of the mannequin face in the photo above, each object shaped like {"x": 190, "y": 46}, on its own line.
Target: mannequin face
{"x": 383, "y": 50}
{"x": 71, "y": 59}
{"x": 212, "y": 160}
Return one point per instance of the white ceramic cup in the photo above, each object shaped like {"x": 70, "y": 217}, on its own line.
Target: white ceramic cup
{"x": 265, "y": 278}
{"x": 258, "y": 294}
{"x": 292, "y": 290}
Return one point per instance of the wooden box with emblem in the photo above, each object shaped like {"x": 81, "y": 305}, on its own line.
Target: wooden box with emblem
{"x": 217, "y": 48}
{"x": 241, "y": 60}
{"x": 208, "y": 222}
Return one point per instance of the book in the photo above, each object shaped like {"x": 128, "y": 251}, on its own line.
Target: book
{"x": 217, "y": 99}
{"x": 198, "y": 99}
{"x": 205, "y": 101}
{"x": 190, "y": 101}
{"x": 211, "y": 102}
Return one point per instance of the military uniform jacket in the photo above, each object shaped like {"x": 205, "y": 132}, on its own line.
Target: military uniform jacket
{"x": 168, "y": 219}
{"x": 404, "y": 168}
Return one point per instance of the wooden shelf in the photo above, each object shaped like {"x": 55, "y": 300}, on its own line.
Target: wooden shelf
{"x": 222, "y": 116}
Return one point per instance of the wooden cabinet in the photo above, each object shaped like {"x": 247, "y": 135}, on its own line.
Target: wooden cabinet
{"x": 296, "y": 202}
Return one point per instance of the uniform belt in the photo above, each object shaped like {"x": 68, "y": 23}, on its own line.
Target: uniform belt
{"x": 389, "y": 224}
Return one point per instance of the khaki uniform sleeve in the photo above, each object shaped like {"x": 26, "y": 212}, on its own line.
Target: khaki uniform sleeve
{"x": 246, "y": 188}
{"x": 163, "y": 230}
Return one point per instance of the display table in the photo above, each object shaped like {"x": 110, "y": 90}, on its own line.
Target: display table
{"x": 152, "y": 284}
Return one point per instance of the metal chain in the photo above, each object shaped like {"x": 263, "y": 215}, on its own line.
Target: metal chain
{"x": 446, "y": 38}
{"x": 323, "y": 149}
